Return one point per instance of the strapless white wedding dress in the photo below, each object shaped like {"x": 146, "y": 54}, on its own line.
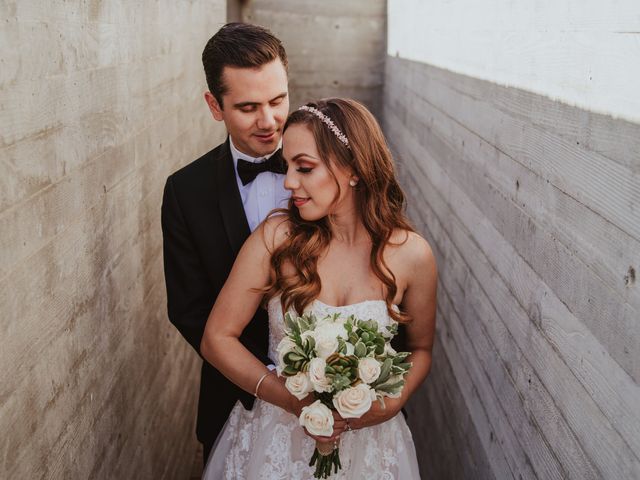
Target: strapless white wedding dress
{"x": 268, "y": 443}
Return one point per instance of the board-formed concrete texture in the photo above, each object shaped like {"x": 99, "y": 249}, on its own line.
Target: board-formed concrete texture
{"x": 582, "y": 52}
{"x": 532, "y": 208}
{"x": 100, "y": 102}
{"x": 515, "y": 128}
{"x": 335, "y": 48}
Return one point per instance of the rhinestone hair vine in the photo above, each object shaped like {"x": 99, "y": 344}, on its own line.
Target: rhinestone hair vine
{"x": 328, "y": 122}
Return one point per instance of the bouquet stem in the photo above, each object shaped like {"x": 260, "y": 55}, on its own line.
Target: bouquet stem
{"x": 326, "y": 457}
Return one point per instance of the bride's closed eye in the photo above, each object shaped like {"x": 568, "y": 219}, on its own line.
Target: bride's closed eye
{"x": 304, "y": 169}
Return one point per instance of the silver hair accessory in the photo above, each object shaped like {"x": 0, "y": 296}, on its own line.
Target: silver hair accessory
{"x": 328, "y": 122}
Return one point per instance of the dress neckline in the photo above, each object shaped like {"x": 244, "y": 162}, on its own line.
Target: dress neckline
{"x": 363, "y": 302}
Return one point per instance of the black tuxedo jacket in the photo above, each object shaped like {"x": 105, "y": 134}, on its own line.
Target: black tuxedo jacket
{"x": 204, "y": 226}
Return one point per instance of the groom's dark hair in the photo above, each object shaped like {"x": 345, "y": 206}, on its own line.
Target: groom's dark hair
{"x": 238, "y": 45}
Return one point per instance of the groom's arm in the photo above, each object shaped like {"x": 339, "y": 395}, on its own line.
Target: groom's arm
{"x": 190, "y": 295}
{"x": 189, "y": 292}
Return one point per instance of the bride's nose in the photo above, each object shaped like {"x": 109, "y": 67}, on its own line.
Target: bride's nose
{"x": 290, "y": 180}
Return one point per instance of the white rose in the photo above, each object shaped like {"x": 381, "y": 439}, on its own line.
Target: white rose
{"x": 353, "y": 402}
{"x": 285, "y": 346}
{"x": 317, "y": 375}
{"x": 326, "y": 336}
{"x": 299, "y": 385}
{"x": 317, "y": 418}
{"x": 368, "y": 369}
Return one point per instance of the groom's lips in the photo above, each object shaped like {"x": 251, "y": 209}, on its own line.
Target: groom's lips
{"x": 266, "y": 137}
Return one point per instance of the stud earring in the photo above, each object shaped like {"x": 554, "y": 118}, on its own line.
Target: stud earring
{"x": 353, "y": 182}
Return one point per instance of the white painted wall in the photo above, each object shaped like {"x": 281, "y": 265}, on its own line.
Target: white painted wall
{"x": 582, "y": 52}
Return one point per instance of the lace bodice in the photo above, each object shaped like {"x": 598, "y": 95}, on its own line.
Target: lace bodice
{"x": 366, "y": 310}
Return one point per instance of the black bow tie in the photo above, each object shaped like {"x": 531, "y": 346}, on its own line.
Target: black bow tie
{"x": 248, "y": 171}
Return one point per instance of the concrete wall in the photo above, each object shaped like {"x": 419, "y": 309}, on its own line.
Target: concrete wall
{"x": 335, "y": 48}
{"x": 100, "y": 102}
{"x": 533, "y": 209}
{"x": 583, "y": 52}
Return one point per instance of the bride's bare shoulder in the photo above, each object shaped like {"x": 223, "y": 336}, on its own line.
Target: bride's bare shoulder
{"x": 412, "y": 251}
{"x": 274, "y": 230}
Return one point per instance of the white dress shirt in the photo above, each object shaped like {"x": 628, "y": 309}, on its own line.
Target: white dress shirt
{"x": 262, "y": 195}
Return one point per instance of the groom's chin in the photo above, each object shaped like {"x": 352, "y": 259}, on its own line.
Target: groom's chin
{"x": 263, "y": 147}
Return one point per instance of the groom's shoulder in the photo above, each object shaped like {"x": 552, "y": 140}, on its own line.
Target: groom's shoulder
{"x": 203, "y": 168}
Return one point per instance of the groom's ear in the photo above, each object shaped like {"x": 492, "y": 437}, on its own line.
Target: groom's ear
{"x": 214, "y": 106}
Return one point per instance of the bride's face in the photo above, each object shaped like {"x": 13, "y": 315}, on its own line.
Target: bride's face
{"x": 315, "y": 191}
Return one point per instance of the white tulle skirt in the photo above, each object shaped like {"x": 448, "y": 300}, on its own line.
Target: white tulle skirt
{"x": 268, "y": 443}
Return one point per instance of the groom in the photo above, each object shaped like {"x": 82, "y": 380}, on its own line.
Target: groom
{"x": 211, "y": 205}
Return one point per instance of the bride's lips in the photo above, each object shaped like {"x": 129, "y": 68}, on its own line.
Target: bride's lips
{"x": 299, "y": 201}
{"x": 266, "y": 137}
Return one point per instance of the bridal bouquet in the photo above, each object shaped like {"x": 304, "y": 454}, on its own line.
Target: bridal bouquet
{"x": 347, "y": 363}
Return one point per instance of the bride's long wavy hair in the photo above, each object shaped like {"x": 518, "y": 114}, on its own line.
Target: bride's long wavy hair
{"x": 379, "y": 203}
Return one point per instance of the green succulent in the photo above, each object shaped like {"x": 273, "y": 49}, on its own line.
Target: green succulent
{"x": 342, "y": 370}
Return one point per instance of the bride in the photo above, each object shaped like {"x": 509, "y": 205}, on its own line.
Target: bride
{"x": 343, "y": 246}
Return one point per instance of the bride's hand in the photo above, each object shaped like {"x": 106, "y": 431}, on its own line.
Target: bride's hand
{"x": 339, "y": 426}
{"x": 291, "y": 403}
{"x": 377, "y": 414}
{"x": 339, "y": 423}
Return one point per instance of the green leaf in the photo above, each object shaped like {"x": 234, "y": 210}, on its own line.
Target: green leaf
{"x": 390, "y": 387}
{"x": 288, "y": 321}
{"x": 310, "y": 344}
{"x": 400, "y": 356}
{"x": 304, "y": 325}
{"x": 360, "y": 349}
{"x": 292, "y": 357}
{"x": 348, "y": 326}
{"x": 289, "y": 371}
{"x": 340, "y": 382}
{"x": 385, "y": 371}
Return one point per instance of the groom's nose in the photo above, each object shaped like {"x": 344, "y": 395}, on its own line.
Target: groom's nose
{"x": 266, "y": 119}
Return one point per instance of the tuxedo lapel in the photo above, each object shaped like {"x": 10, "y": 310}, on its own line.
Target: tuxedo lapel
{"x": 231, "y": 209}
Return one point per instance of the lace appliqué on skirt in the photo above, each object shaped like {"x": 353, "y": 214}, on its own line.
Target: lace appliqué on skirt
{"x": 267, "y": 443}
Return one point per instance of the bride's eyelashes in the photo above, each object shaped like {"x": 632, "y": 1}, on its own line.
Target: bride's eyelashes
{"x": 299, "y": 169}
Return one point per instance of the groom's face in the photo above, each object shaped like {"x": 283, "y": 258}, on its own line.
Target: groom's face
{"x": 254, "y": 108}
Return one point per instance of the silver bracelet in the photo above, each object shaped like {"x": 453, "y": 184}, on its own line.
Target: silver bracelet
{"x": 255, "y": 394}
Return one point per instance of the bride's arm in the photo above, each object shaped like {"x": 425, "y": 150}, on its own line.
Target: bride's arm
{"x": 419, "y": 302}
{"x": 234, "y": 307}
